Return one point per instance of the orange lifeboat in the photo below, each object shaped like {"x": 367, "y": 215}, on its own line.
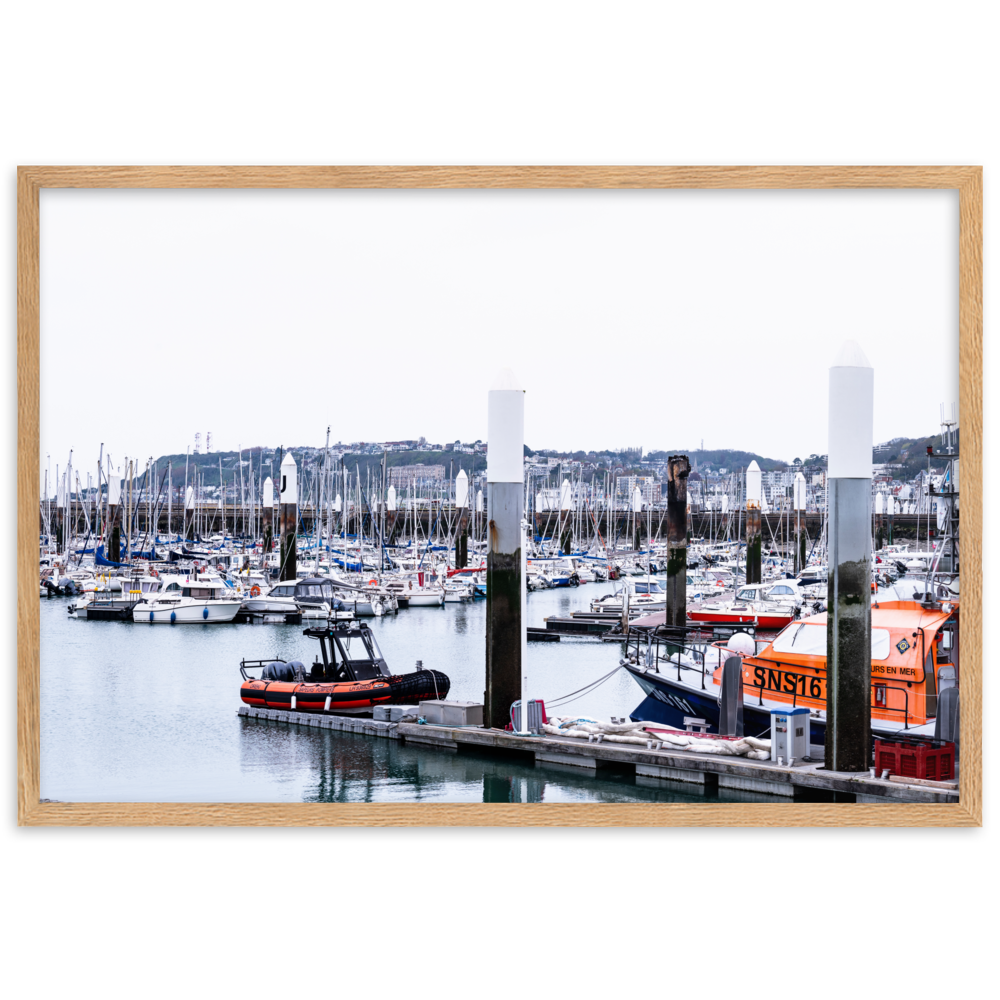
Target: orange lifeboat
{"x": 352, "y": 676}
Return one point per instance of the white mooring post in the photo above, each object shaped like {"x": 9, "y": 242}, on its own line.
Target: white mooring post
{"x": 848, "y": 637}
{"x": 799, "y": 499}
{"x": 288, "y": 516}
{"x": 505, "y": 549}
{"x": 524, "y": 627}
{"x": 268, "y": 516}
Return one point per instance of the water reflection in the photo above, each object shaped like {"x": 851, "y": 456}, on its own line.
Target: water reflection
{"x": 148, "y": 713}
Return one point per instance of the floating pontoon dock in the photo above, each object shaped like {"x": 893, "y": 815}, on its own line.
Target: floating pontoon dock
{"x": 758, "y": 780}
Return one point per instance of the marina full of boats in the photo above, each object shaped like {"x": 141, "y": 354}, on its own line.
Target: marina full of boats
{"x": 762, "y": 602}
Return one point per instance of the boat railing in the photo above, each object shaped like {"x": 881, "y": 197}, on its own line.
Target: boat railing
{"x": 246, "y": 665}
{"x": 812, "y": 688}
{"x": 880, "y": 700}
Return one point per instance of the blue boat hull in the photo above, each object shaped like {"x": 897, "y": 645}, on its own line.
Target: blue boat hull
{"x": 669, "y": 703}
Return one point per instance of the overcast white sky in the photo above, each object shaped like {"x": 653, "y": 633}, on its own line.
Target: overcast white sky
{"x": 658, "y": 319}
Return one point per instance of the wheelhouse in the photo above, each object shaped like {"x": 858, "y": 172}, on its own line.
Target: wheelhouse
{"x": 314, "y": 590}
{"x": 348, "y": 653}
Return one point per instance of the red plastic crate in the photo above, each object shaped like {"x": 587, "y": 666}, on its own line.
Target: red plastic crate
{"x": 934, "y": 761}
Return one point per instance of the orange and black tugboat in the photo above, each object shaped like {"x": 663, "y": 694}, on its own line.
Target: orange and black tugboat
{"x": 352, "y": 676}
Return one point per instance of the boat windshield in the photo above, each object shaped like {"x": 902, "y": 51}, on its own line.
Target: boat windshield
{"x": 373, "y": 651}
{"x": 360, "y": 651}
{"x": 648, "y": 588}
{"x": 809, "y": 639}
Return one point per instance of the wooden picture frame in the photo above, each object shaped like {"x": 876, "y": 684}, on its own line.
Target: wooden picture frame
{"x": 967, "y": 180}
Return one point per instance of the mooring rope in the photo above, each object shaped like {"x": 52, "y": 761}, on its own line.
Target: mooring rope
{"x": 573, "y": 695}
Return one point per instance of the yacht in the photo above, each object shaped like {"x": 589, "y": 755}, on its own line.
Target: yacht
{"x": 114, "y": 598}
{"x": 201, "y": 598}
{"x": 418, "y": 590}
{"x": 313, "y": 597}
{"x": 643, "y": 595}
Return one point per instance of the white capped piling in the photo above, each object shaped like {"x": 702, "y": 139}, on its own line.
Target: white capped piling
{"x": 636, "y": 520}
{"x": 524, "y": 622}
{"x": 565, "y": 518}
{"x": 60, "y": 510}
{"x": 505, "y": 483}
{"x": 114, "y": 543}
{"x": 391, "y": 503}
{"x": 799, "y": 501}
{"x": 890, "y": 509}
{"x": 754, "y": 494}
{"x": 288, "y": 515}
{"x": 462, "y": 510}
{"x": 879, "y": 511}
{"x": 268, "y": 512}
{"x": 189, "y": 514}
{"x": 848, "y": 638}
{"x": 678, "y": 470}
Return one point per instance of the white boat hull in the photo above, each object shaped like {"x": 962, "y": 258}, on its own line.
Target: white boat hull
{"x": 425, "y": 600}
{"x": 270, "y": 605}
{"x": 193, "y": 613}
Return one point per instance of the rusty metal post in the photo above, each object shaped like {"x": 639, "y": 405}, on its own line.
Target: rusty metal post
{"x": 505, "y": 485}
{"x": 849, "y": 619}
{"x": 754, "y": 487}
{"x": 678, "y": 469}
{"x": 288, "y": 514}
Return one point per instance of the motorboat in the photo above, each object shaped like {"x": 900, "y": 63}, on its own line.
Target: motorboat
{"x": 458, "y": 592}
{"x": 313, "y": 597}
{"x": 116, "y": 598}
{"x": 559, "y": 572}
{"x": 752, "y": 605}
{"x": 202, "y": 598}
{"x": 914, "y": 656}
{"x": 644, "y": 596}
{"x": 417, "y": 589}
{"x": 349, "y": 675}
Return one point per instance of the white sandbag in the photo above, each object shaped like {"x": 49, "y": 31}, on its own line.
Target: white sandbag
{"x": 759, "y": 755}
{"x": 707, "y": 746}
{"x": 619, "y": 738}
{"x": 758, "y": 744}
{"x": 674, "y": 739}
{"x": 556, "y": 731}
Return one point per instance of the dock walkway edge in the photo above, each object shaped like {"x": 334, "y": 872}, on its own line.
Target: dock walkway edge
{"x": 676, "y": 765}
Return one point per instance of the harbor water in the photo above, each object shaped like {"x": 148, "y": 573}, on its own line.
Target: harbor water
{"x": 147, "y": 713}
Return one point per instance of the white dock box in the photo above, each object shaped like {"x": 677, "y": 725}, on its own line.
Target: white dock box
{"x": 395, "y": 713}
{"x": 789, "y": 733}
{"x": 452, "y": 713}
